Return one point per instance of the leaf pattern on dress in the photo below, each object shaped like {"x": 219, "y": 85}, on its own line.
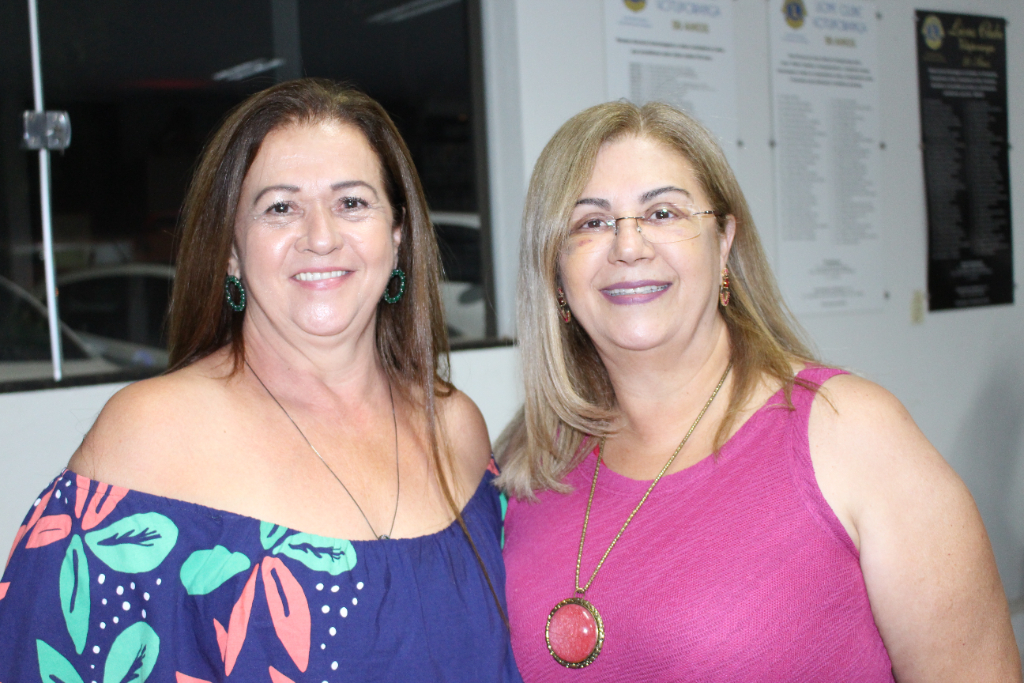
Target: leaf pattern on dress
{"x": 74, "y": 592}
{"x": 232, "y": 639}
{"x": 53, "y": 666}
{"x": 50, "y": 529}
{"x": 133, "y": 654}
{"x": 135, "y": 544}
{"x": 102, "y": 504}
{"x": 270, "y": 534}
{"x": 319, "y": 553}
{"x": 289, "y": 610}
{"x": 206, "y": 570}
{"x": 278, "y": 677}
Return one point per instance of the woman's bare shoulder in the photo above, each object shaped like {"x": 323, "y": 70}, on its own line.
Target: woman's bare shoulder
{"x": 147, "y": 428}
{"x": 467, "y": 435}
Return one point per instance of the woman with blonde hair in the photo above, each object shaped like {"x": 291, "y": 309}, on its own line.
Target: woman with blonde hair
{"x": 694, "y": 497}
{"x": 304, "y": 495}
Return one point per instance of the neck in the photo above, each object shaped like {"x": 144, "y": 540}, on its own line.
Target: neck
{"x": 658, "y": 388}
{"x": 315, "y": 372}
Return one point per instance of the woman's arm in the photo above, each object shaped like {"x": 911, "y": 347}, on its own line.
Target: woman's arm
{"x": 928, "y": 565}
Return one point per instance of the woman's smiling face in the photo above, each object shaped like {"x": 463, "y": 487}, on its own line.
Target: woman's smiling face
{"x": 632, "y": 294}
{"x": 315, "y": 235}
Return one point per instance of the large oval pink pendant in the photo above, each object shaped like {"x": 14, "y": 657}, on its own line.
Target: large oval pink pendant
{"x": 574, "y": 633}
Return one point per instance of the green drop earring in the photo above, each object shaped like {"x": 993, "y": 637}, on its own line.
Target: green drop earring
{"x": 228, "y": 282}
{"x": 397, "y": 272}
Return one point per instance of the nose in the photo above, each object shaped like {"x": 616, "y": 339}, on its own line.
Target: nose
{"x": 629, "y": 243}
{"x": 322, "y": 236}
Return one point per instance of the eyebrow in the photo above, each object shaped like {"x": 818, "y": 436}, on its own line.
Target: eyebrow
{"x": 334, "y": 188}
{"x": 644, "y": 198}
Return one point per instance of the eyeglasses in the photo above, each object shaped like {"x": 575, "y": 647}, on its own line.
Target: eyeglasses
{"x": 663, "y": 224}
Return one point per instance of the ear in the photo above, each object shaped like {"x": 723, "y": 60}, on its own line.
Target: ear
{"x": 396, "y": 239}
{"x": 234, "y": 262}
{"x": 725, "y": 238}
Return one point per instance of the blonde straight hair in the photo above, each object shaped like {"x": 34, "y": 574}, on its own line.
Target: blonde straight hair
{"x": 569, "y": 400}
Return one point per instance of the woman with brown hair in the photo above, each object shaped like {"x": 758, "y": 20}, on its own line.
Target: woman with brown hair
{"x": 304, "y": 495}
{"x": 695, "y": 498}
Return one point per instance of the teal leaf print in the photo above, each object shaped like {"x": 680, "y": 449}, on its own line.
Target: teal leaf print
{"x": 134, "y": 544}
{"x": 74, "y": 592}
{"x": 133, "y": 654}
{"x": 504, "y": 509}
{"x": 53, "y": 667}
{"x": 319, "y": 553}
{"x": 205, "y": 570}
{"x": 270, "y": 534}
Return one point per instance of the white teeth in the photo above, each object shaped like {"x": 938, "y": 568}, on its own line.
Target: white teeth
{"x": 310, "y": 277}
{"x": 650, "y": 289}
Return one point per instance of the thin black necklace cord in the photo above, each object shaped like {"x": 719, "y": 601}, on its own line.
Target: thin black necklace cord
{"x": 398, "y": 478}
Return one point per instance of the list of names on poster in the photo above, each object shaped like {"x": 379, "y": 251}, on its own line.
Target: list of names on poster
{"x": 681, "y": 53}
{"x": 825, "y": 109}
{"x": 962, "y": 85}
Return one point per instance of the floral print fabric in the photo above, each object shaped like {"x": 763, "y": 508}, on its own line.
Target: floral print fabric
{"x": 107, "y": 584}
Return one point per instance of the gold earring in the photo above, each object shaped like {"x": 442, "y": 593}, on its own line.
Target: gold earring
{"x": 563, "y": 306}
{"x": 724, "y": 292}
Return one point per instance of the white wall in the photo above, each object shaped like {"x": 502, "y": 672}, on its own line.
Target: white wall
{"x": 961, "y": 373}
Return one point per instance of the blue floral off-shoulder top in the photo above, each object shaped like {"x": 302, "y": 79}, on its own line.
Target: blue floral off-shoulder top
{"x": 108, "y": 584}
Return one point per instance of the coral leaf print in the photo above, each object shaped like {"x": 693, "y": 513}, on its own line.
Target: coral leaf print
{"x": 74, "y": 592}
{"x": 206, "y": 570}
{"x": 231, "y": 642}
{"x": 270, "y": 534}
{"x": 17, "y": 539}
{"x": 182, "y": 678}
{"x": 133, "y": 654}
{"x": 289, "y": 610}
{"x": 135, "y": 544}
{"x": 278, "y": 677}
{"x": 53, "y": 667}
{"x": 38, "y": 512}
{"x": 50, "y": 529}
{"x": 102, "y": 504}
{"x": 319, "y": 553}
{"x": 3, "y": 589}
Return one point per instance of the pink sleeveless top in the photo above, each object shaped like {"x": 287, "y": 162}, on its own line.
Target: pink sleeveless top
{"x": 735, "y": 569}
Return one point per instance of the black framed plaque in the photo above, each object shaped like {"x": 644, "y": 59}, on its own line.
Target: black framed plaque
{"x": 962, "y": 88}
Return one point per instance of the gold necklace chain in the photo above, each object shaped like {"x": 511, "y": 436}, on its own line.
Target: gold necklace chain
{"x": 398, "y": 478}
{"x": 593, "y": 486}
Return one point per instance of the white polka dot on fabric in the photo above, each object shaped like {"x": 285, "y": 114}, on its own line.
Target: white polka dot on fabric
{"x": 159, "y": 581}
{"x": 359, "y": 586}
{"x": 101, "y": 578}
{"x": 103, "y": 624}
{"x": 344, "y": 611}
{"x": 334, "y": 666}
{"x": 332, "y": 631}
{"x": 143, "y": 614}
{"x": 38, "y": 501}
{"x": 56, "y": 494}
{"x": 323, "y": 646}
{"x": 319, "y": 586}
{"x": 355, "y": 601}
{"x": 95, "y": 649}
{"x": 145, "y": 596}
{"x": 325, "y": 609}
{"x": 104, "y": 601}
{"x": 120, "y": 590}
{"x": 115, "y": 620}
{"x": 132, "y": 584}
{"x": 125, "y": 606}
{"x": 334, "y": 589}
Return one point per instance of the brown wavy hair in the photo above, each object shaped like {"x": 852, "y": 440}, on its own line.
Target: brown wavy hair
{"x": 569, "y": 399}
{"x": 411, "y": 336}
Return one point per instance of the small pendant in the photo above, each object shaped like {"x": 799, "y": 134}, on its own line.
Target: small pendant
{"x": 383, "y": 537}
{"x": 574, "y": 633}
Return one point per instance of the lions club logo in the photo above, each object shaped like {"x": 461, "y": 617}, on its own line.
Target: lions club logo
{"x": 795, "y": 12}
{"x": 933, "y": 32}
